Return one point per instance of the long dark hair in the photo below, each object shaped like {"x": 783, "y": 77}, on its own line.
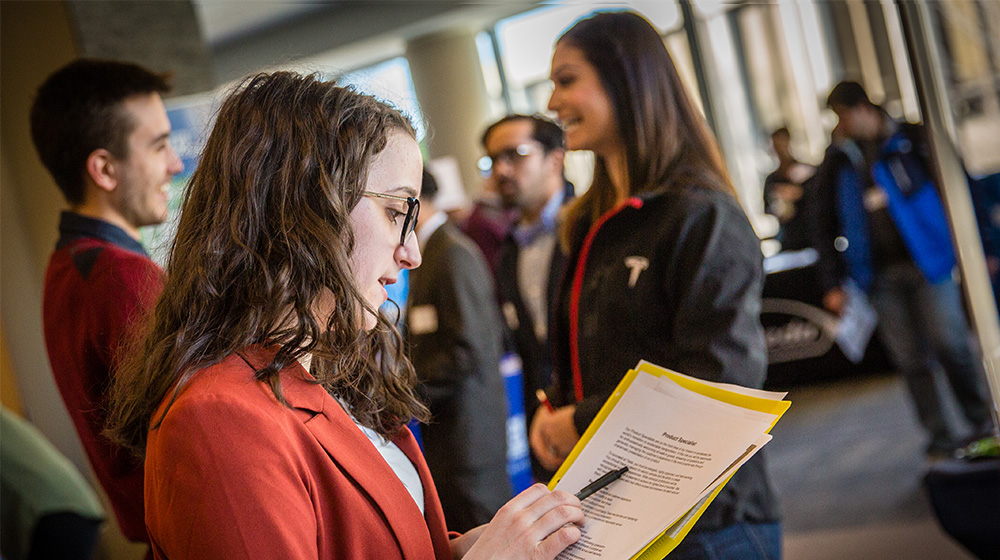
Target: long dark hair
{"x": 264, "y": 232}
{"x": 667, "y": 143}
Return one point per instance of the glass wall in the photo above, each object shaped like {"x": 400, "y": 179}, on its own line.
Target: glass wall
{"x": 970, "y": 56}
{"x": 768, "y": 65}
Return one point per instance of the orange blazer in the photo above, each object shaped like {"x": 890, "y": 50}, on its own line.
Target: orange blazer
{"x": 232, "y": 473}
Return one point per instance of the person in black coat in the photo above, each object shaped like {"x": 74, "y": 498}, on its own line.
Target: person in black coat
{"x": 455, "y": 336}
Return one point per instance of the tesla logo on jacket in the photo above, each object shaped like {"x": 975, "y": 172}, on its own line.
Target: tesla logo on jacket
{"x": 636, "y": 264}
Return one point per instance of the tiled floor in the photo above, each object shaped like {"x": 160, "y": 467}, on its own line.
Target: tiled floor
{"x": 847, "y": 462}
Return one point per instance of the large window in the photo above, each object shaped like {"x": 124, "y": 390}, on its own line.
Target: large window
{"x": 525, "y": 45}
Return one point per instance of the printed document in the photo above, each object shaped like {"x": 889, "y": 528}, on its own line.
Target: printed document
{"x": 679, "y": 445}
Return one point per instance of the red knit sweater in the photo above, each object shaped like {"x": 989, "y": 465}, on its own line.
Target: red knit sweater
{"x": 99, "y": 280}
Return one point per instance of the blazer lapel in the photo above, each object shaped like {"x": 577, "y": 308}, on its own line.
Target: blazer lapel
{"x": 354, "y": 453}
{"x": 357, "y": 457}
{"x": 433, "y": 514}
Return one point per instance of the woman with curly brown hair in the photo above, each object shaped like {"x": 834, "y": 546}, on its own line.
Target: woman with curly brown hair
{"x": 269, "y": 395}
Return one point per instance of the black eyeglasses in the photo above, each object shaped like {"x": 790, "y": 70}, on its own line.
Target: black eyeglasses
{"x": 412, "y": 211}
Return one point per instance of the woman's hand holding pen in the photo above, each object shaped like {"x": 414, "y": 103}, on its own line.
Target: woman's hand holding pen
{"x": 537, "y": 524}
{"x": 553, "y": 435}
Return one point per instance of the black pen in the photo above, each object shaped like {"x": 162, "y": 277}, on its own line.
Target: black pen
{"x": 601, "y": 482}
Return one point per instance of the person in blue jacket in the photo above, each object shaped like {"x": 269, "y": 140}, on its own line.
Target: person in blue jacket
{"x": 881, "y": 223}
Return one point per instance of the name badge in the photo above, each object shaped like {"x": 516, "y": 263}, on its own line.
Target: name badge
{"x": 510, "y": 315}
{"x": 875, "y": 199}
{"x": 423, "y": 319}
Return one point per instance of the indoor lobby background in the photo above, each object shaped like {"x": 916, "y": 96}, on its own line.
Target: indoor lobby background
{"x": 456, "y": 66}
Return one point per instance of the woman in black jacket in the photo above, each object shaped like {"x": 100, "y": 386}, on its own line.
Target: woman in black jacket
{"x": 663, "y": 263}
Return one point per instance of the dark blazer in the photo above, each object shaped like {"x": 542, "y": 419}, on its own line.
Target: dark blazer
{"x": 455, "y": 335}
{"x": 536, "y": 355}
{"x": 232, "y": 473}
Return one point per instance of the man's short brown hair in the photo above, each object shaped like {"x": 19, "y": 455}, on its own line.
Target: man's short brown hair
{"x": 79, "y": 109}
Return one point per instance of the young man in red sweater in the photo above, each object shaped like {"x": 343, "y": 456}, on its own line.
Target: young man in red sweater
{"x": 101, "y": 130}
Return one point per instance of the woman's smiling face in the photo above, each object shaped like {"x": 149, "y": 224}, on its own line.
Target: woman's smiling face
{"x": 377, "y": 222}
{"x": 581, "y": 103}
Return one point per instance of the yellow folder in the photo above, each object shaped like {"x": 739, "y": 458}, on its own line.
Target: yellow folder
{"x": 731, "y": 394}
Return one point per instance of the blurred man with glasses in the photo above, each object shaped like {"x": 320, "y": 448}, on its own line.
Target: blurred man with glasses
{"x": 525, "y": 156}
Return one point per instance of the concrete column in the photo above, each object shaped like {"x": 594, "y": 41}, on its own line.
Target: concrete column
{"x": 448, "y": 80}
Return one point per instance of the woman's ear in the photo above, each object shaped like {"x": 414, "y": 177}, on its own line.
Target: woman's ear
{"x": 102, "y": 170}
{"x": 558, "y": 160}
